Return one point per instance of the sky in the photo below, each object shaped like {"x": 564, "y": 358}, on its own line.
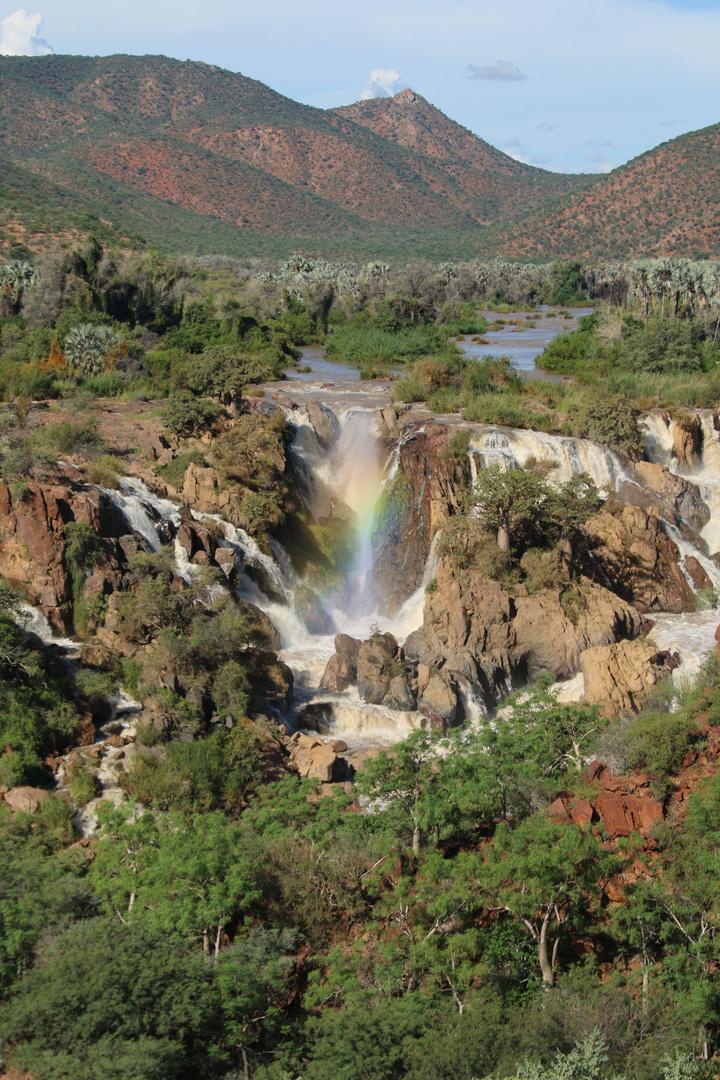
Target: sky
{"x": 568, "y": 85}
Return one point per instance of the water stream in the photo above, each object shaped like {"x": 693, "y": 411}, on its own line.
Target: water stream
{"x": 347, "y": 478}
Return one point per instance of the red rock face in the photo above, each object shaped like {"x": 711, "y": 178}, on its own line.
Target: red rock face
{"x": 422, "y": 499}
{"x": 614, "y": 810}
{"x": 31, "y": 544}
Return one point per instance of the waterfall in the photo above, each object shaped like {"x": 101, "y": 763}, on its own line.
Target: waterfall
{"x": 32, "y": 621}
{"x": 514, "y": 449}
{"x": 659, "y": 447}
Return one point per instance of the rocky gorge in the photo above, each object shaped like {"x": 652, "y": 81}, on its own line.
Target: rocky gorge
{"x": 367, "y": 616}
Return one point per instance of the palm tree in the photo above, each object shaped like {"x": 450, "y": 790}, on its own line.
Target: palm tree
{"x": 87, "y": 347}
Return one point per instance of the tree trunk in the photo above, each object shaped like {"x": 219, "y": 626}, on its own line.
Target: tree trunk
{"x": 545, "y": 963}
{"x": 246, "y": 1067}
{"x": 416, "y": 840}
{"x": 206, "y": 942}
{"x": 132, "y": 901}
{"x": 217, "y": 942}
{"x": 503, "y": 536}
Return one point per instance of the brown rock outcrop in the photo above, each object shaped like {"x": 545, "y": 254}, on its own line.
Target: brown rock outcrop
{"x": 618, "y": 676}
{"x": 640, "y": 560}
{"x": 27, "y": 799}
{"x": 473, "y": 626}
{"x": 687, "y": 439}
{"x": 437, "y": 697}
{"x": 420, "y": 499}
{"x": 32, "y": 544}
{"x": 680, "y": 496}
{"x": 317, "y": 759}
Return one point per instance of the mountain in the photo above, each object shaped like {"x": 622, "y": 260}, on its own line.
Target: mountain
{"x": 192, "y": 157}
{"x": 665, "y": 202}
{"x": 195, "y": 157}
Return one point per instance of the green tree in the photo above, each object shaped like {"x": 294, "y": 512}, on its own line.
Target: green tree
{"x": 409, "y": 781}
{"x": 200, "y": 881}
{"x": 508, "y": 500}
{"x": 545, "y": 875}
{"x": 252, "y": 978}
{"x": 223, "y": 372}
{"x": 107, "y": 1002}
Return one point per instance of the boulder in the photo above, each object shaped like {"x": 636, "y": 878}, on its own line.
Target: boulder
{"x": 317, "y": 760}
{"x": 687, "y": 438}
{"x": 622, "y": 815}
{"x": 317, "y": 716}
{"x": 341, "y": 669}
{"x": 399, "y": 696}
{"x": 618, "y": 676}
{"x": 27, "y": 799}
{"x": 129, "y": 365}
{"x": 376, "y": 666}
{"x": 324, "y": 423}
{"x": 339, "y": 674}
{"x": 437, "y": 698}
{"x": 225, "y": 558}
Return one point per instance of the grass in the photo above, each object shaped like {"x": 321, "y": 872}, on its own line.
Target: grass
{"x": 364, "y": 343}
{"x": 174, "y": 472}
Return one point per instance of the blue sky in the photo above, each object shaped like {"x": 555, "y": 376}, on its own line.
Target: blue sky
{"x": 570, "y": 85}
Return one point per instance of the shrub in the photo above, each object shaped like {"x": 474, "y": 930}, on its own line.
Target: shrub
{"x": 82, "y": 780}
{"x": 69, "y": 438}
{"x": 613, "y": 423}
{"x": 185, "y": 414}
{"x": 657, "y": 743}
{"x": 174, "y": 472}
{"x": 105, "y": 472}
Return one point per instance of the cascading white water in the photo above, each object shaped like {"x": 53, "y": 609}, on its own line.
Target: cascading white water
{"x": 567, "y": 456}
{"x": 658, "y": 436}
{"x": 34, "y": 622}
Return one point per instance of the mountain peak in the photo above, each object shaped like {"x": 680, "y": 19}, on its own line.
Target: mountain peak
{"x": 409, "y": 97}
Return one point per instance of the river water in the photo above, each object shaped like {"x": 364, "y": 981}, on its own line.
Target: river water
{"x": 340, "y": 385}
{"x": 354, "y": 470}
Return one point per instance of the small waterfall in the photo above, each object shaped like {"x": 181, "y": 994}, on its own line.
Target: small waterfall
{"x": 687, "y": 550}
{"x": 660, "y": 448}
{"x": 568, "y": 456}
{"x": 32, "y": 621}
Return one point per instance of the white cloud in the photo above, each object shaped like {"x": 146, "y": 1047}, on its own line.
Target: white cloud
{"x": 19, "y": 34}
{"x": 600, "y": 163}
{"x": 503, "y": 69}
{"x": 381, "y": 83}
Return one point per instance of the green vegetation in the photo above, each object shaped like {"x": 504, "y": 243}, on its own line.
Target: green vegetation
{"x": 213, "y": 930}
{"x": 659, "y": 361}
